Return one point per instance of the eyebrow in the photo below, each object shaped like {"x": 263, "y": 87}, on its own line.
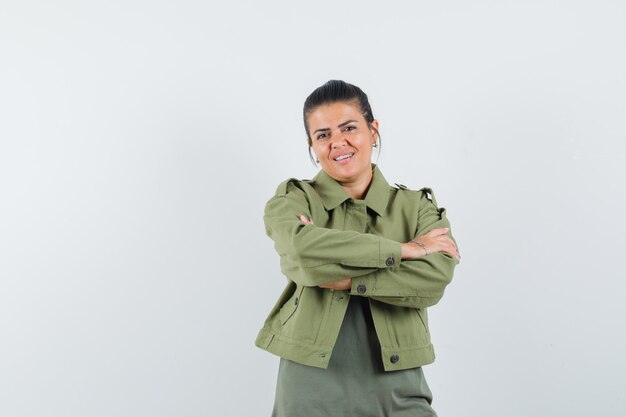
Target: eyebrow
{"x": 340, "y": 125}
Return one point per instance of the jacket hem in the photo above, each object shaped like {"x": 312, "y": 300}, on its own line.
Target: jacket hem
{"x": 295, "y": 350}
{"x": 407, "y": 357}
{"x": 319, "y": 356}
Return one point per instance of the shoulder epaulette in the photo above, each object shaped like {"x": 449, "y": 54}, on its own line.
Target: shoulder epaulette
{"x": 401, "y": 186}
{"x": 281, "y": 190}
{"x": 429, "y": 194}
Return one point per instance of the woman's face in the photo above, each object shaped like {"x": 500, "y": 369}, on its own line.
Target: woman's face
{"x": 338, "y": 130}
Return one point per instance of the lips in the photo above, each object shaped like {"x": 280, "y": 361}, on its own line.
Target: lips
{"x": 343, "y": 157}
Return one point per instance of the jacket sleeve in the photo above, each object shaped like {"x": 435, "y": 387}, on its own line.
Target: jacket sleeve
{"x": 313, "y": 255}
{"x": 417, "y": 283}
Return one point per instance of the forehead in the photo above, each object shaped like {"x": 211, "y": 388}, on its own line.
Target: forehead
{"x": 330, "y": 115}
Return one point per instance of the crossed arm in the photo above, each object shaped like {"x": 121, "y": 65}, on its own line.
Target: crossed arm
{"x": 342, "y": 260}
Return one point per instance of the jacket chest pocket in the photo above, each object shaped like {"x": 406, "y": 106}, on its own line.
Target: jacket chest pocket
{"x": 291, "y": 305}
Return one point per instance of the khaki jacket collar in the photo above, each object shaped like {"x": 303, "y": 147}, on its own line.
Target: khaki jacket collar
{"x": 332, "y": 194}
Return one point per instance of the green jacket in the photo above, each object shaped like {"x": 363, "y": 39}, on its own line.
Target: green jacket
{"x": 359, "y": 239}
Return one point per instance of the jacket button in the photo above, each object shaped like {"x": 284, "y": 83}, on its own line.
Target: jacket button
{"x": 394, "y": 358}
{"x": 361, "y": 288}
{"x": 390, "y": 261}
{"x": 296, "y": 301}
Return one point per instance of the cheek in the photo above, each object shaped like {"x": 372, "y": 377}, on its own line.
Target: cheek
{"x": 364, "y": 144}
{"x": 320, "y": 147}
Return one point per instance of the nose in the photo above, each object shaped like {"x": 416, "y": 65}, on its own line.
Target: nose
{"x": 337, "y": 138}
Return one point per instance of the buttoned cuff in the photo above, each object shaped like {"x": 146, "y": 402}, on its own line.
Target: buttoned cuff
{"x": 390, "y": 253}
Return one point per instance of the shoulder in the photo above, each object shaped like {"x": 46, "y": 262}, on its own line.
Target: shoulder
{"x": 421, "y": 194}
{"x": 289, "y": 185}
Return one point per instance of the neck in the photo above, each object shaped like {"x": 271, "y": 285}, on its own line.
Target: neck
{"x": 357, "y": 189}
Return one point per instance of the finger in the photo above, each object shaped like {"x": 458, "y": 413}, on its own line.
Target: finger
{"x": 446, "y": 240}
{"x": 452, "y": 251}
{"x": 456, "y": 248}
{"x": 455, "y": 251}
{"x": 454, "y": 244}
{"x": 303, "y": 219}
{"x": 438, "y": 231}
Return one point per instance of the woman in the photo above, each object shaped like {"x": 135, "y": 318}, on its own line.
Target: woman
{"x": 363, "y": 261}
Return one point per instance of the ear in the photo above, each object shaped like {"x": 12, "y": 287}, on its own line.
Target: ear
{"x": 374, "y": 124}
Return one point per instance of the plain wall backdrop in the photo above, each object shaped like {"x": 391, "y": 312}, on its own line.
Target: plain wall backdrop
{"x": 140, "y": 140}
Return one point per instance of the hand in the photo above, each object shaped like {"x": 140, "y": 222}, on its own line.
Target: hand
{"x": 344, "y": 284}
{"x": 304, "y": 219}
{"x": 434, "y": 241}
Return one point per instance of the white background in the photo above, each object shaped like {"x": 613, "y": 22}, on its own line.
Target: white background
{"x": 140, "y": 140}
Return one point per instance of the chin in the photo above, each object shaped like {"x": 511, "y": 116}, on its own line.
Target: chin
{"x": 346, "y": 173}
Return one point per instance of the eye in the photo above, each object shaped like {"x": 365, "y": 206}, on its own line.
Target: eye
{"x": 348, "y": 128}
{"x": 321, "y": 136}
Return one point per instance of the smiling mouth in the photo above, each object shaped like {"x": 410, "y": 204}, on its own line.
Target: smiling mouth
{"x": 344, "y": 157}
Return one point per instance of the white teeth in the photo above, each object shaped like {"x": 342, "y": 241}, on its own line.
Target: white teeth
{"x": 339, "y": 158}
